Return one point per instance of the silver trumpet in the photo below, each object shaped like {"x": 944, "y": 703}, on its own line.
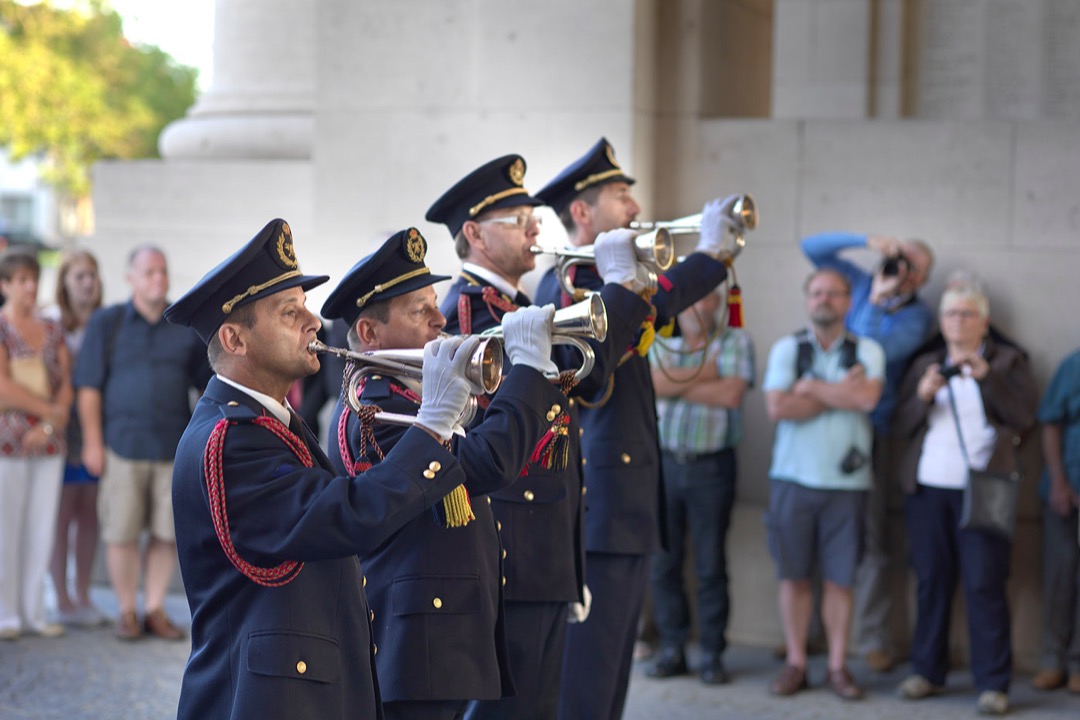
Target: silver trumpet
{"x": 484, "y": 370}
{"x": 655, "y": 250}
{"x": 571, "y": 325}
{"x": 743, "y": 215}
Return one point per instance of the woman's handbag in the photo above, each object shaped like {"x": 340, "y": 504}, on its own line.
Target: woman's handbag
{"x": 989, "y": 498}
{"x": 30, "y": 372}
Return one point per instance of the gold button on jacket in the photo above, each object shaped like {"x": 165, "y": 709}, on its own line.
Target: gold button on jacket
{"x": 301, "y": 667}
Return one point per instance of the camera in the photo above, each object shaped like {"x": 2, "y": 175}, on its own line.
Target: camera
{"x": 895, "y": 265}
{"x": 951, "y": 371}
{"x": 854, "y": 460}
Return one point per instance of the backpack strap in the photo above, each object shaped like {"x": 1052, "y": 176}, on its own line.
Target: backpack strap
{"x": 804, "y": 361}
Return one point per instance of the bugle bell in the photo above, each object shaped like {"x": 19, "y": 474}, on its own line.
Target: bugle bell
{"x": 654, "y": 249}
{"x": 571, "y": 325}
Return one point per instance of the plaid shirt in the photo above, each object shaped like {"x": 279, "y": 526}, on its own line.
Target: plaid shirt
{"x": 693, "y": 427}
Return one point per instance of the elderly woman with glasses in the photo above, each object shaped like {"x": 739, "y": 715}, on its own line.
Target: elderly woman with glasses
{"x": 995, "y": 400}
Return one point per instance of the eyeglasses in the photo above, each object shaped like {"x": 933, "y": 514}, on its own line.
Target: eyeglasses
{"x": 962, "y": 314}
{"x": 521, "y": 220}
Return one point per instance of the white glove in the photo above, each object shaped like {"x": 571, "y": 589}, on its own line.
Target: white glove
{"x": 527, "y": 337}
{"x": 444, "y": 387}
{"x": 615, "y": 258}
{"x": 579, "y": 612}
{"x": 716, "y": 224}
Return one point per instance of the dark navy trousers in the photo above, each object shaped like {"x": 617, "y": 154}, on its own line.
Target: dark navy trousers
{"x": 942, "y": 553}
{"x": 700, "y": 492}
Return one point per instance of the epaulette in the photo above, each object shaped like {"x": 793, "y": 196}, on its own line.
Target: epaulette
{"x": 376, "y": 387}
{"x": 234, "y": 411}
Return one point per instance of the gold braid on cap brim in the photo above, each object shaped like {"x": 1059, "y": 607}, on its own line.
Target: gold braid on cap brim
{"x": 362, "y": 300}
{"x": 598, "y": 177}
{"x": 475, "y": 209}
{"x": 252, "y": 290}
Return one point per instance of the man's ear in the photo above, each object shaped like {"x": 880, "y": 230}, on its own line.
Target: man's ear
{"x": 471, "y": 231}
{"x": 233, "y": 339}
{"x": 368, "y": 332}
{"x": 581, "y": 213}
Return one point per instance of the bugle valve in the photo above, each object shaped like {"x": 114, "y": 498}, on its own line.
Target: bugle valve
{"x": 572, "y": 325}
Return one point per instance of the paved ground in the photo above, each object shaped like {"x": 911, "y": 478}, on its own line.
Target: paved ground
{"x": 88, "y": 674}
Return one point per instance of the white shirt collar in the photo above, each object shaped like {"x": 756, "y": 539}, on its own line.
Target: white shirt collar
{"x": 277, "y": 409}
{"x": 499, "y": 282}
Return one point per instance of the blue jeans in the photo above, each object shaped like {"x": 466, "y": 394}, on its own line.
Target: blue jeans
{"x": 700, "y": 492}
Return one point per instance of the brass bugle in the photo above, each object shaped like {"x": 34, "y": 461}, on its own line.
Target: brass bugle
{"x": 570, "y": 326}
{"x": 654, "y": 250}
{"x": 651, "y": 248}
{"x": 743, "y": 215}
{"x": 484, "y": 369}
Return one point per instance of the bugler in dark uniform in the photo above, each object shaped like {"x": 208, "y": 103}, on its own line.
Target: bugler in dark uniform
{"x": 267, "y": 535}
{"x": 541, "y": 513}
{"x": 436, "y": 586}
{"x": 621, "y": 453}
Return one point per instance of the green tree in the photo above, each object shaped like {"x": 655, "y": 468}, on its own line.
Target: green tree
{"x": 73, "y": 90}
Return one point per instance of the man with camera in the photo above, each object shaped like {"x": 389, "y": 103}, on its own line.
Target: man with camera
{"x": 819, "y": 385}
{"x": 884, "y": 307}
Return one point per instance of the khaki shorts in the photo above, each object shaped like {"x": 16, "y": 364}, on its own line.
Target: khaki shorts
{"x": 135, "y": 495}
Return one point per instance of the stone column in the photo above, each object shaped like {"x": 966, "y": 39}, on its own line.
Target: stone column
{"x": 261, "y": 102}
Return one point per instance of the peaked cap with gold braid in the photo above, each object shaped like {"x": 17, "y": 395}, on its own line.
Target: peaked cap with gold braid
{"x": 596, "y": 167}
{"x": 265, "y": 265}
{"x": 494, "y": 185}
{"x": 396, "y": 268}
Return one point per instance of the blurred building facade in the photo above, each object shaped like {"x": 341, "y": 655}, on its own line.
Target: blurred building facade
{"x": 951, "y": 120}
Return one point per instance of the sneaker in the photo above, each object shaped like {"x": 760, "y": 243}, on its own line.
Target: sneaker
{"x": 992, "y": 702}
{"x": 48, "y": 630}
{"x": 128, "y": 626}
{"x": 158, "y": 623}
{"x": 916, "y": 687}
{"x": 10, "y": 634}
{"x": 879, "y": 661}
{"x": 1048, "y": 679}
{"x": 84, "y": 616}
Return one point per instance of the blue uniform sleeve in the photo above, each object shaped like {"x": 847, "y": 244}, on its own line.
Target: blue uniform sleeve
{"x": 280, "y": 509}
{"x": 685, "y": 284}
{"x": 494, "y": 451}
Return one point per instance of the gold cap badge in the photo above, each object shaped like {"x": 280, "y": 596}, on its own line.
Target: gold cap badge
{"x": 286, "y": 256}
{"x": 517, "y": 172}
{"x": 415, "y": 245}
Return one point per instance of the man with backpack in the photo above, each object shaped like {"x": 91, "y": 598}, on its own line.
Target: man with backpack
{"x": 820, "y": 386}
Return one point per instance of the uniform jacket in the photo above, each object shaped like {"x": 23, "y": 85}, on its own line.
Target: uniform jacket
{"x": 1009, "y": 394}
{"x": 436, "y": 591}
{"x": 542, "y": 513}
{"x": 302, "y": 649}
{"x": 620, "y": 446}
